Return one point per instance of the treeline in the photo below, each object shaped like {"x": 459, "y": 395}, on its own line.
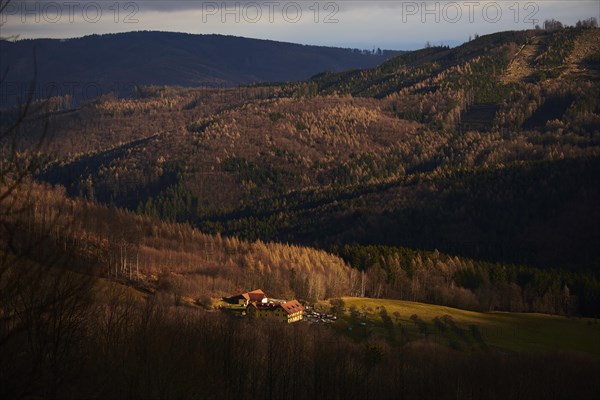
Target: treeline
{"x": 437, "y": 278}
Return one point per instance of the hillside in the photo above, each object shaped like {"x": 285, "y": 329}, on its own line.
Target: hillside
{"x": 100, "y": 64}
{"x": 43, "y": 226}
{"x": 485, "y": 67}
{"x": 467, "y": 329}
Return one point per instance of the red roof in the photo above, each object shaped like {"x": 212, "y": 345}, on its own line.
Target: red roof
{"x": 292, "y": 307}
{"x": 239, "y": 295}
{"x": 256, "y": 295}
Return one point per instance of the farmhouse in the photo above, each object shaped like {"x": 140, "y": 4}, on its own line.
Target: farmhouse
{"x": 289, "y": 311}
{"x": 258, "y": 305}
{"x": 243, "y": 299}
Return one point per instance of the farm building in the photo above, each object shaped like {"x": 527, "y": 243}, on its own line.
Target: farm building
{"x": 290, "y": 311}
{"x": 243, "y": 299}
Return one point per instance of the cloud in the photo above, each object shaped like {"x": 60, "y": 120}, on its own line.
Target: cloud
{"x": 363, "y": 24}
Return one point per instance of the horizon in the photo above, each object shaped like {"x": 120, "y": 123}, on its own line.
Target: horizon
{"x": 385, "y": 24}
{"x": 19, "y": 39}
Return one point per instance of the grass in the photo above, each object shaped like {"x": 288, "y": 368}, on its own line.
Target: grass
{"x": 509, "y": 331}
{"x": 233, "y": 308}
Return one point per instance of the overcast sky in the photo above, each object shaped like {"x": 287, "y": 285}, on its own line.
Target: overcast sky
{"x": 359, "y": 24}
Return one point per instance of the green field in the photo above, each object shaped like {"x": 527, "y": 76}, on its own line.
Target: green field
{"x": 509, "y": 331}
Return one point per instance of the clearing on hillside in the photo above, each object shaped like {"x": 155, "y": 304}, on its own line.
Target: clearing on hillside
{"x": 508, "y": 331}
{"x": 521, "y": 66}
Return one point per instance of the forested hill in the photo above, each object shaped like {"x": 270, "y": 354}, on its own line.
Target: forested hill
{"x": 488, "y": 151}
{"x": 96, "y": 64}
{"x": 487, "y": 67}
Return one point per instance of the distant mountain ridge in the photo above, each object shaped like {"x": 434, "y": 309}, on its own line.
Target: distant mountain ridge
{"x": 99, "y": 64}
